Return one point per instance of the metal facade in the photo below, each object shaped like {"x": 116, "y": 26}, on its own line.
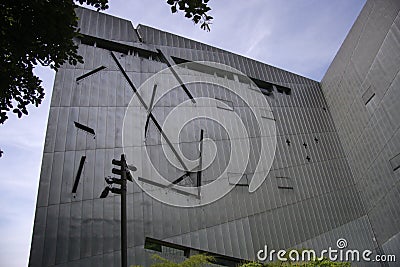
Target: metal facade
{"x": 362, "y": 88}
{"x": 329, "y": 195}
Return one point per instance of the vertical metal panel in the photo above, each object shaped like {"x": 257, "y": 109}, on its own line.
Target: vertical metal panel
{"x": 110, "y": 224}
{"x": 50, "y": 237}
{"x": 97, "y": 261}
{"x": 257, "y": 234}
{"x": 97, "y": 227}
{"x": 112, "y": 220}
{"x": 63, "y": 234}
{"x": 68, "y": 176}
{"x": 138, "y": 219}
{"x": 75, "y": 231}
{"x": 38, "y": 237}
{"x": 203, "y": 239}
{"x": 248, "y": 239}
{"x": 234, "y": 238}
{"x": 56, "y": 178}
{"x": 157, "y": 221}
{"x": 81, "y": 135}
{"x": 210, "y": 239}
{"x": 67, "y": 88}
{"x": 83, "y": 91}
{"x": 71, "y": 129}
{"x": 50, "y": 139}
{"x": 86, "y": 226}
{"x": 61, "y": 129}
{"x": 108, "y": 259}
{"x": 110, "y": 128}
{"x": 101, "y": 127}
{"x": 45, "y": 180}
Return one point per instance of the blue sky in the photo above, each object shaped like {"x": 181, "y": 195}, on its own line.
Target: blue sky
{"x": 301, "y": 36}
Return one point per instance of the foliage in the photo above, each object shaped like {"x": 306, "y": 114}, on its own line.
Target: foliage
{"x": 193, "y": 261}
{"x": 202, "y": 260}
{"x": 42, "y": 31}
{"x": 195, "y": 10}
{"x": 33, "y": 32}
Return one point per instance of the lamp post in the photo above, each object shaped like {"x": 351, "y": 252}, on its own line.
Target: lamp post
{"x": 125, "y": 175}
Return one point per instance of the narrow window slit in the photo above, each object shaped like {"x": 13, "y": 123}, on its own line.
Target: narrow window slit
{"x": 84, "y": 128}
{"x": 284, "y": 182}
{"x": 370, "y": 98}
{"x": 78, "y": 174}
{"x": 285, "y": 187}
{"x": 368, "y": 95}
{"x": 90, "y": 73}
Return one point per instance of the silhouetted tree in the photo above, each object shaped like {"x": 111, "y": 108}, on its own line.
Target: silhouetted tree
{"x": 33, "y": 32}
{"x": 42, "y": 31}
{"x": 195, "y": 10}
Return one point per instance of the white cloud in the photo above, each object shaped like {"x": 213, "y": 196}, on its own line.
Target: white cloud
{"x": 22, "y": 142}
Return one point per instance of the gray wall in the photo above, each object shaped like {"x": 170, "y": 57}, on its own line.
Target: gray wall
{"x": 362, "y": 88}
{"x": 83, "y": 230}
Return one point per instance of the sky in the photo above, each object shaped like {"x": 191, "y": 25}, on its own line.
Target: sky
{"x": 301, "y": 36}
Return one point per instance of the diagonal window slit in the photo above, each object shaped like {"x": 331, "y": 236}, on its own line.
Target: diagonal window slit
{"x": 78, "y": 174}
{"x": 84, "y": 128}
{"x": 90, "y": 73}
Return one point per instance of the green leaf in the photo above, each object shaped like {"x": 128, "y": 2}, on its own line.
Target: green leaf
{"x": 194, "y": 9}
{"x": 51, "y": 43}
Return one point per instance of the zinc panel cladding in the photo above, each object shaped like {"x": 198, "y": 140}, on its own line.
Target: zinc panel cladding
{"x": 83, "y": 230}
{"x": 361, "y": 88}
{"x": 104, "y": 26}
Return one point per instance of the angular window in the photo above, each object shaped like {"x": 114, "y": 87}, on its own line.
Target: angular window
{"x": 267, "y": 114}
{"x": 282, "y": 89}
{"x": 284, "y": 182}
{"x": 368, "y": 95}
{"x": 165, "y": 247}
{"x": 395, "y": 162}
{"x": 224, "y": 104}
{"x": 142, "y": 51}
{"x": 84, "y": 128}
{"x": 265, "y": 87}
{"x": 170, "y": 186}
{"x": 238, "y": 179}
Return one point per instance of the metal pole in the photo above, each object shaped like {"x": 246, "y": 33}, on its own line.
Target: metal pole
{"x": 198, "y": 184}
{"x": 124, "y": 243}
